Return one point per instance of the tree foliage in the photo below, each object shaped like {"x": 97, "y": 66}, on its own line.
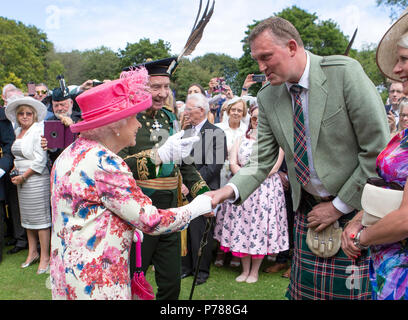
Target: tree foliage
{"x": 27, "y": 55}
{"x": 139, "y": 52}
{"x": 22, "y": 51}
{"x": 396, "y": 6}
{"x": 201, "y": 69}
{"x": 319, "y": 37}
{"x": 101, "y": 63}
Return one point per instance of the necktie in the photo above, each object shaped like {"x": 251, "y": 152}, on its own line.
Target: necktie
{"x": 300, "y": 147}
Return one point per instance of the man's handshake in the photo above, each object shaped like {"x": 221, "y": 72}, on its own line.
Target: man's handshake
{"x": 220, "y": 195}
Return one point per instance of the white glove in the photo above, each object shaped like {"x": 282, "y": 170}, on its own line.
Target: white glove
{"x": 199, "y": 206}
{"x": 175, "y": 148}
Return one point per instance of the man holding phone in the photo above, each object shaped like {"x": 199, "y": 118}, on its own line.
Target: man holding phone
{"x": 250, "y": 80}
{"x": 62, "y": 105}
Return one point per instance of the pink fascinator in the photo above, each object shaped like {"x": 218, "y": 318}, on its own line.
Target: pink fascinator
{"x": 114, "y": 100}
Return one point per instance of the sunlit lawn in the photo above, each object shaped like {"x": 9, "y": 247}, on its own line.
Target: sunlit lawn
{"x": 25, "y": 284}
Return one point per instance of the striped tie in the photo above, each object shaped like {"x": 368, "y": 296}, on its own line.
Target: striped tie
{"x": 300, "y": 150}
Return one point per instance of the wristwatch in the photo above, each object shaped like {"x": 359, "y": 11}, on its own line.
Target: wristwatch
{"x": 357, "y": 243}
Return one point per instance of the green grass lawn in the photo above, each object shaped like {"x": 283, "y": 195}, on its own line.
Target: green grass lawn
{"x": 25, "y": 284}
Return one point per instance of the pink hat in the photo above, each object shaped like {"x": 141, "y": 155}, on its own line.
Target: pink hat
{"x": 114, "y": 100}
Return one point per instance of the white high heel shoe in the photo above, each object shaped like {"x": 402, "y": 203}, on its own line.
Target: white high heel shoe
{"x": 45, "y": 270}
{"x": 41, "y": 271}
{"x": 29, "y": 263}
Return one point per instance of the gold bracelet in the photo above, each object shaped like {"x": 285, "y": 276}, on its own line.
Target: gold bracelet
{"x": 24, "y": 178}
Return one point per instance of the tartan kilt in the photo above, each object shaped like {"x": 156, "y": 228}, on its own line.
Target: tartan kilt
{"x": 315, "y": 278}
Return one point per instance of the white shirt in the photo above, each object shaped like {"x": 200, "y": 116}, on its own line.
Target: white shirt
{"x": 232, "y": 134}
{"x": 198, "y": 127}
{"x": 315, "y": 186}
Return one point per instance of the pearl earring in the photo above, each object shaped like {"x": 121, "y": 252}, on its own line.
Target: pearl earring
{"x": 118, "y": 134}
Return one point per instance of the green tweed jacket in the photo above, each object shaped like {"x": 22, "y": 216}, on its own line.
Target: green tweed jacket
{"x": 348, "y": 128}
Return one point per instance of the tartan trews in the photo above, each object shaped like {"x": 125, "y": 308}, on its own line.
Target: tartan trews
{"x": 315, "y": 278}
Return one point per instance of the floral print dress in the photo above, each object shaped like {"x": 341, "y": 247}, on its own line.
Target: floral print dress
{"x": 389, "y": 263}
{"x": 96, "y": 207}
{"x": 258, "y": 226}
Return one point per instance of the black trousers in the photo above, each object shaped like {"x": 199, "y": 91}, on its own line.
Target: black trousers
{"x": 2, "y": 228}
{"x": 163, "y": 252}
{"x": 17, "y": 231}
{"x": 195, "y": 233}
{"x": 284, "y": 256}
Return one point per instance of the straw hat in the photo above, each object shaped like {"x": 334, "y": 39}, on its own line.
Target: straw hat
{"x": 113, "y": 100}
{"x": 387, "y": 49}
{"x": 12, "y": 106}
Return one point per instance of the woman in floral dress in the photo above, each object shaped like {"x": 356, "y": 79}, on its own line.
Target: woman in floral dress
{"x": 258, "y": 226}
{"x": 96, "y": 205}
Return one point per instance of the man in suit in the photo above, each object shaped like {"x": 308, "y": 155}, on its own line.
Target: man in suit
{"x": 209, "y": 155}
{"x": 62, "y": 110}
{"x": 18, "y": 233}
{"x": 330, "y": 151}
{"x": 6, "y": 163}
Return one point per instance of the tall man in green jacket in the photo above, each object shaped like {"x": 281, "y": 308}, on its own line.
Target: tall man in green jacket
{"x": 160, "y": 181}
{"x": 331, "y": 130}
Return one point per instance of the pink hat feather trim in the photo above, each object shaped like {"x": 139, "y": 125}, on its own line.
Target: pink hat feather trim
{"x": 114, "y": 100}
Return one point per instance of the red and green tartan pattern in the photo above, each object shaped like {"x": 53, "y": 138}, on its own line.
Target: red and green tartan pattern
{"x": 299, "y": 136}
{"x": 315, "y": 278}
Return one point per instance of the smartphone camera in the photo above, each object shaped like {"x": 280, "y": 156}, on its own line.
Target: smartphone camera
{"x": 221, "y": 83}
{"x": 258, "y": 77}
{"x": 96, "y": 83}
{"x": 31, "y": 89}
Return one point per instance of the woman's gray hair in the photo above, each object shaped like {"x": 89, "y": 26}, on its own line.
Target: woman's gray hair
{"x": 201, "y": 101}
{"x": 8, "y": 86}
{"x": 99, "y": 133}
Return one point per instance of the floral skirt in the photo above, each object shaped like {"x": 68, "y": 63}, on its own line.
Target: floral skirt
{"x": 258, "y": 226}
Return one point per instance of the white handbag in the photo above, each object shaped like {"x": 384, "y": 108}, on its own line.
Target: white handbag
{"x": 377, "y": 202}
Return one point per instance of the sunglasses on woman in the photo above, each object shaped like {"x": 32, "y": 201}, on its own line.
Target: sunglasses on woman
{"x": 27, "y": 113}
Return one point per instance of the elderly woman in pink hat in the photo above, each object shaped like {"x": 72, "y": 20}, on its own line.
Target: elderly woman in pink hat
{"x": 96, "y": 205}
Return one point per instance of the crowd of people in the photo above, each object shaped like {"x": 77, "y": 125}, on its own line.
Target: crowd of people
{"x": 249, "y": 177}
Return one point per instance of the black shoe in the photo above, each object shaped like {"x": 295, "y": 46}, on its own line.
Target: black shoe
{"x": 200, "y": 281}
{"x": 11, "y": 242}
{"x": 16, "y": 249}
{"x": 185, "y": 275}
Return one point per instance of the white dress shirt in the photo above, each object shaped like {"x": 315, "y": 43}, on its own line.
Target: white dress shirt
{"x": 198, "y": 127}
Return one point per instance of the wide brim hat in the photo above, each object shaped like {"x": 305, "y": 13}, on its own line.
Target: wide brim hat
{"x": 114, "y": 100}
{"x": 387, "y": 55}
{"x": 12, "y": 106}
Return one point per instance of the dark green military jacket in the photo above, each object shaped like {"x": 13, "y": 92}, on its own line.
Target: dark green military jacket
{"x": 156, "y": 128}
